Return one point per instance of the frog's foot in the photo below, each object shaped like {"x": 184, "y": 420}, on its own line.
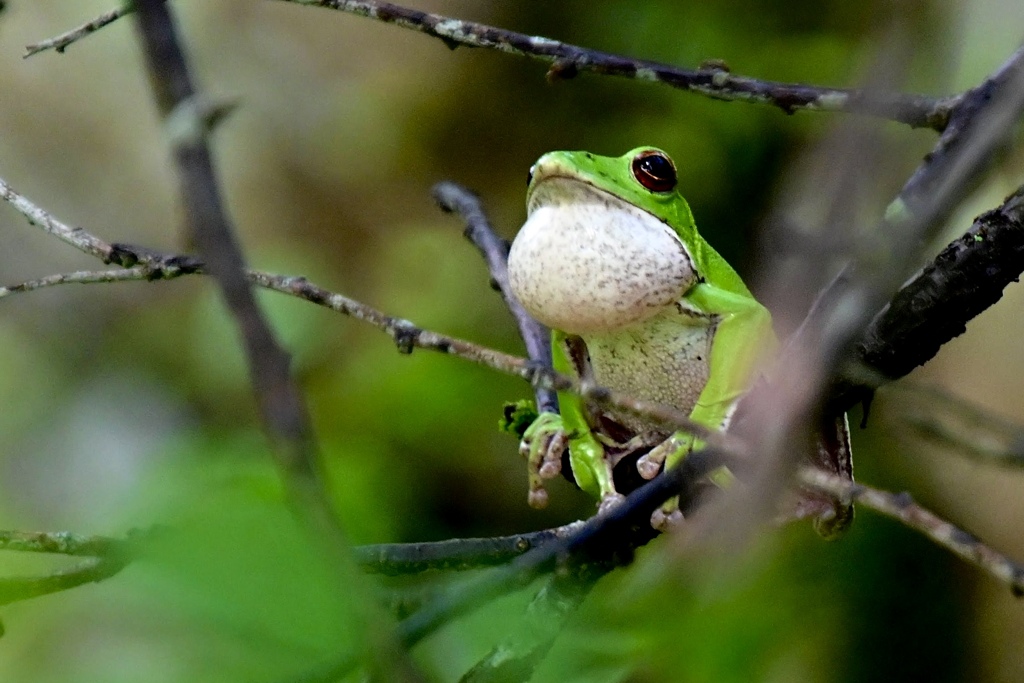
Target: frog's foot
{"x": 542, "y": 446}
{"x": 651, "y": 463}
{"x": 668, "y": 516}
{"x": 609, "y": 501}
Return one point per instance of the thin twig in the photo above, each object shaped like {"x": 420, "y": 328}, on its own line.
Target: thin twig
{"x": 903, "y": 508}
{"x": 61, "y": 42}
{"x": 566, "y": 60}
{"x": 717, "y": 82}
{"x": 453, "y": 197}
{"x": 82, "y": 277}
{"x": 76, "y": 237}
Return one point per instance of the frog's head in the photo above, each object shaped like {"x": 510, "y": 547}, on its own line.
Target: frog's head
{"x": 608, "y": 241}
{"x": 644, "y": 177}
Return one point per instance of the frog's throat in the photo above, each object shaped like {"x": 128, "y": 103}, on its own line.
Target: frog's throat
{"x": 587, "y": 261}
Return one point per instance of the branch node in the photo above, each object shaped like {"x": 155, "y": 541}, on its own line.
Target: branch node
{"x": 562, "y": 70}
{"x": 405, "y": 334}
{"x": 192, "y": 119}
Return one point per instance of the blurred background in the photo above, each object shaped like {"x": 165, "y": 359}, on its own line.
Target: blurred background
{"x": 128, "y": 404}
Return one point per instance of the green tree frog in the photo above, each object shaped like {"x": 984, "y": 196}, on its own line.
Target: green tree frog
{"x": 610, "y": 259}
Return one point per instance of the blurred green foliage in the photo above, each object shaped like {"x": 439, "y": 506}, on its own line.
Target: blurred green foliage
{"x": 128, "y": 404}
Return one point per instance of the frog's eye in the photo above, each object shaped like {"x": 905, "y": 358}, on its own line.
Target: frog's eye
{"x": 655, "y": 171}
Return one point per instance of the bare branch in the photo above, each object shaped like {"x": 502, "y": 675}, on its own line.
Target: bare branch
{"x": 82, "y": 277}
{"x": 903, "y": 508}
{"x": 566, "y": 60}
{"x": 284, "y": 416}
{"x": 717, "y": 82}
{"x": 280, "y": 403}
{"x": 453, "y": 197}
{"x": 76, "y": 237}
{"x": 61, "y": 42}
{"x": 456, "y": 554}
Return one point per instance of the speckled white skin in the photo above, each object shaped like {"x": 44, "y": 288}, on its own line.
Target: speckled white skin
{"x": 664, "y": 359}
{"x": 586, "y": 261}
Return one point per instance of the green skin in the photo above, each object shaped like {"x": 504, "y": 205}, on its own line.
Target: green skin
{"x": 690, "y": 339}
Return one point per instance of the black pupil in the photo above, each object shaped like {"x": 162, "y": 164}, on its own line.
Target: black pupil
{"x": 658, "y": 167}
{"x": 655, "y": 172}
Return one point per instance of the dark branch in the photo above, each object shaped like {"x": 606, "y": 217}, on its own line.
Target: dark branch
{"x": 280, "y": 403}
{"x": 453, "y": 197}
{"x": 454, "y": 555}
{"x": 980, "y": 126}
{"x": 965, "y": 279}
{"x": 599, "y": 545}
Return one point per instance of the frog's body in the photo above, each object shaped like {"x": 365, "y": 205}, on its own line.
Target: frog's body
{"x": 661, "y": 360}
{"x": 638, "y": 301}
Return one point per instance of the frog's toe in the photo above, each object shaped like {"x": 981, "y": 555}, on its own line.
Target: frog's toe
{"x": 664, "y": 522}
{"x": 537, "y": 498}
{"x": 550, "y": 465}
{"x": 668, "y": 516}
{"x": 651, "y": 463}
{"x": 609, "y": 501}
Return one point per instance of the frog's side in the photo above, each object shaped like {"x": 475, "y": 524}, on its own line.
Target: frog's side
{"x": 611, "y": 260}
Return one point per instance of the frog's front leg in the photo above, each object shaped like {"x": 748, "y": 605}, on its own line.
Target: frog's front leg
{"x": 542, "y": 445}
{"x": 591, "y": 466}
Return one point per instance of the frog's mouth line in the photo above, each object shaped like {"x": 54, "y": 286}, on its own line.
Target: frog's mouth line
{"x": 581, "y": 187}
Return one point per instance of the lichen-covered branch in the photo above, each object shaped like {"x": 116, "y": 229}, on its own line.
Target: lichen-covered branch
{"x": 108, "y": 556}
{"x": 717, "y": 82}
{"x": 902, "y": 507}
{"x": 82, "y": 277}
{"x": 566, "y": 60}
